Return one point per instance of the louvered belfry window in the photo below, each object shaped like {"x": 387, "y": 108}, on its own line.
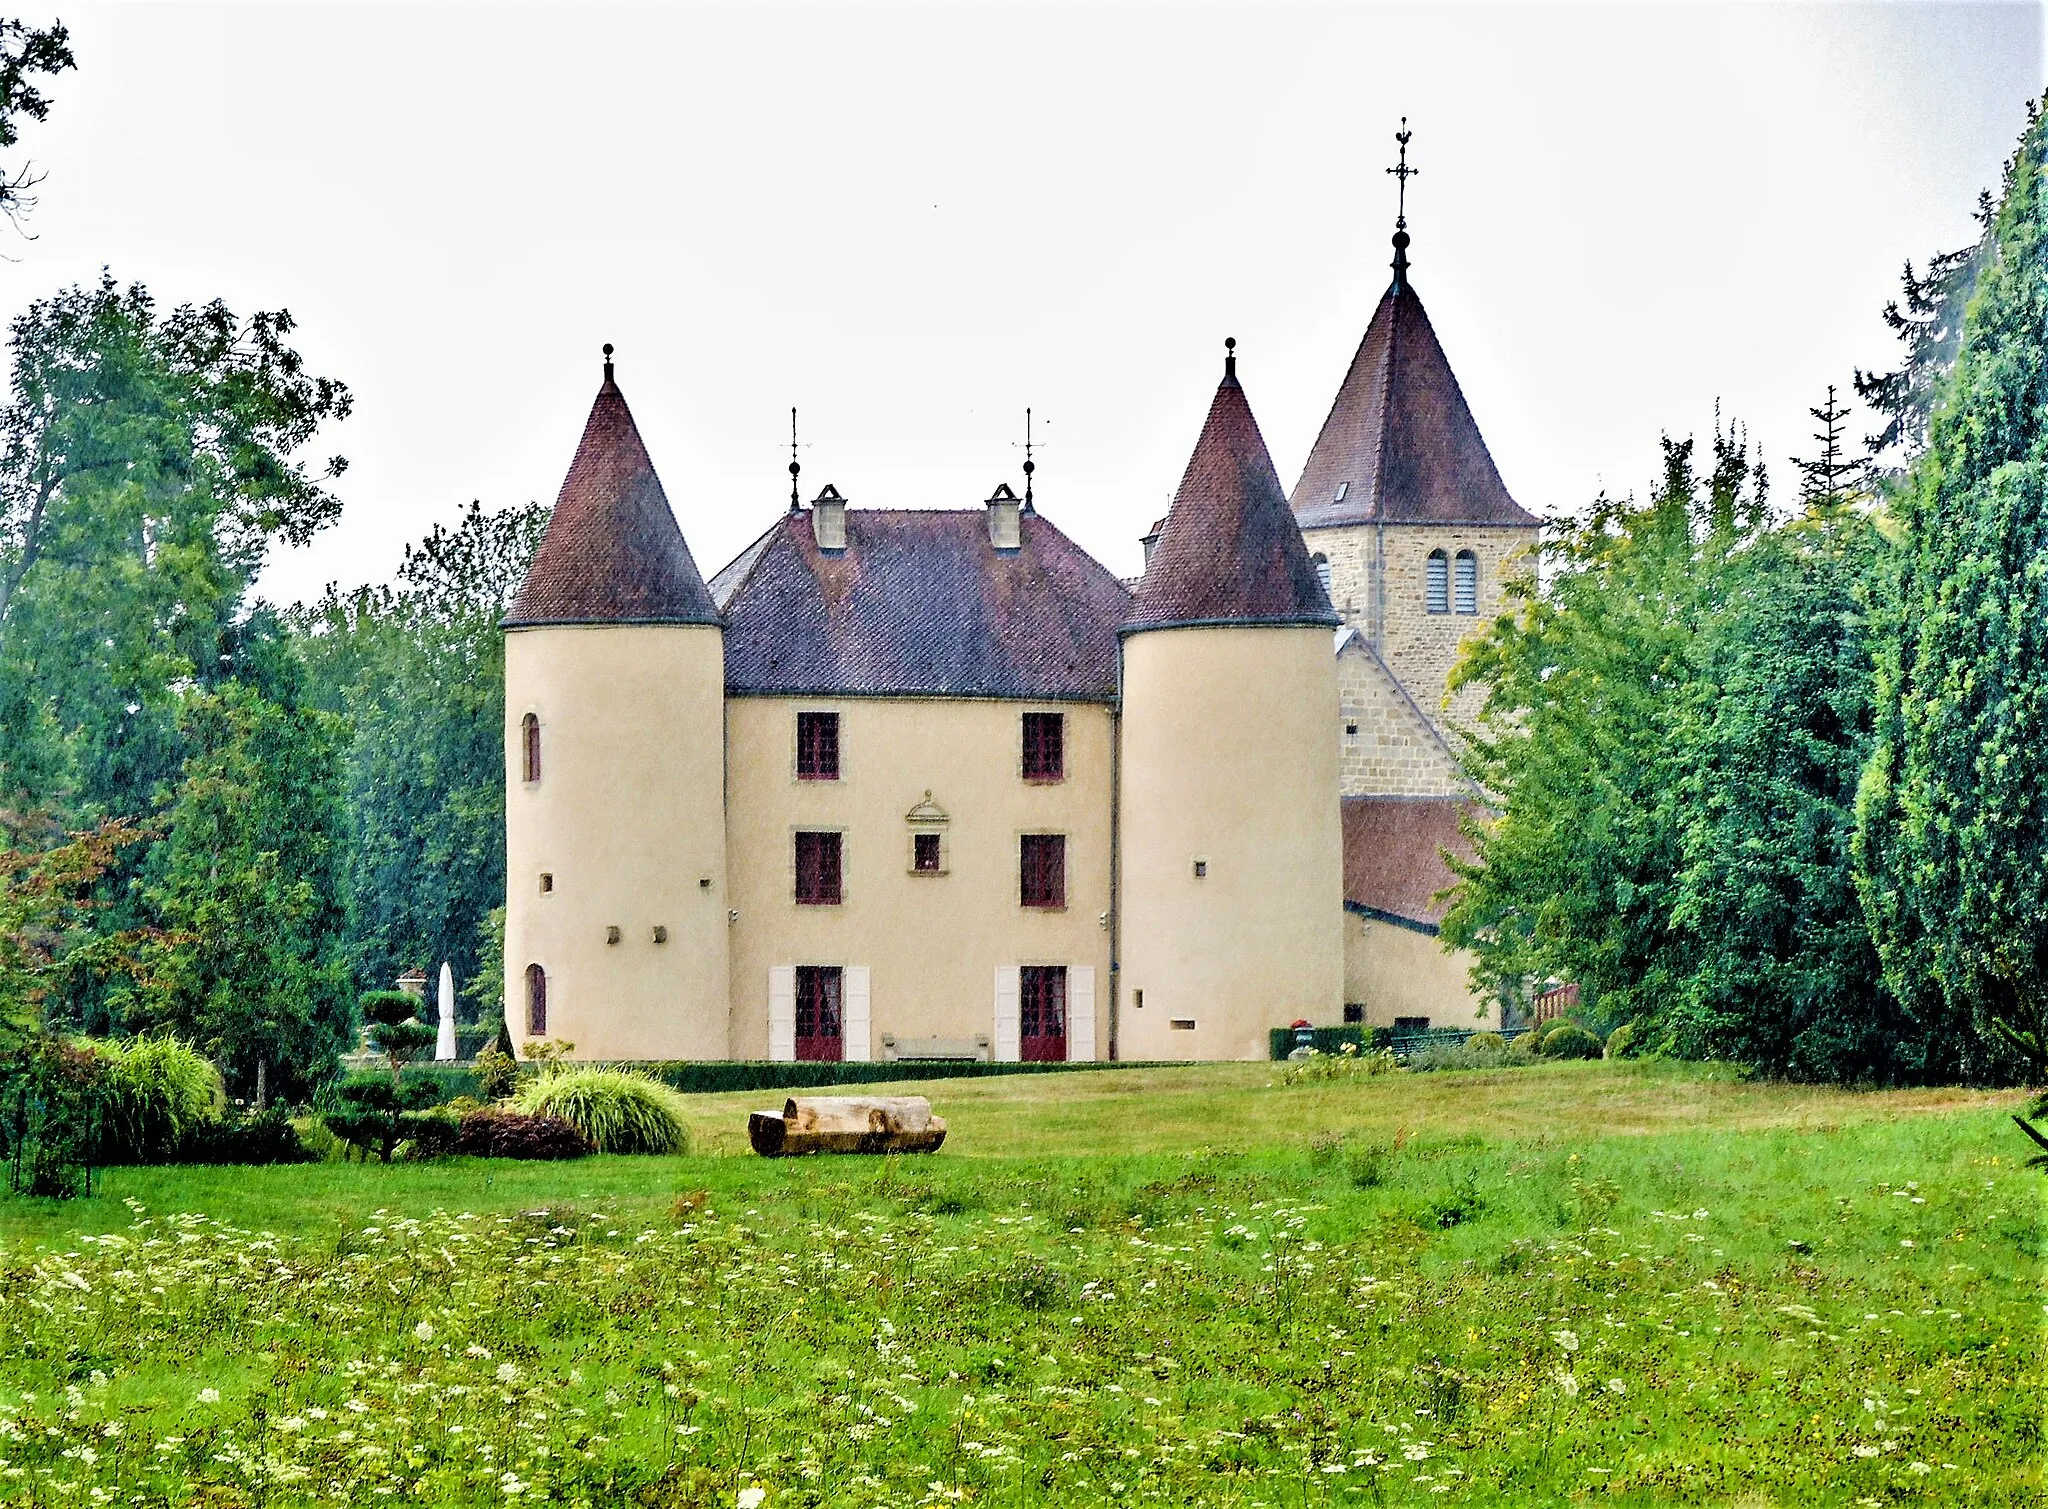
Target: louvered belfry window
{"x": 1045, "y": 746}
{"x": 1042, "y": 880}
{"x": 1465, "y": 582}
{"x": 817, "y": 746}
{"x": 817, "y": 869}
{"x": 1436, "y": 583}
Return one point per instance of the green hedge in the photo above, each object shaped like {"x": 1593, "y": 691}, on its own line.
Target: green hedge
{"x": 694, "y": 1078}
{"x": 1331, "y": 1039}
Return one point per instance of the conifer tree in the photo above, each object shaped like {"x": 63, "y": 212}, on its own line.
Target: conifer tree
{"x": 1953, "y": 809}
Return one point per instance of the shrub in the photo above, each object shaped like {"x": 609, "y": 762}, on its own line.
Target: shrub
{"x": 616, "y": 1112}
{"x": 264, "y": 1137}
{"x": 1439, "y": 1057}
{"x": 1526, "y": 1042}
{"x": 158, "y": 1092}
{"x": 1320, "y": 1068}
{"x": 1570, "y": 1041}
{"x": 494, "y": 1133}
{"x": 1485, "y": 1041}
{"x": 1620, "y": 1040}
{"x": 374, "y": 1114}
{"x": 497, "y": 1074}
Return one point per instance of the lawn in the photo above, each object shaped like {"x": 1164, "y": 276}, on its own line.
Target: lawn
{"x": 1611, "y": 1283}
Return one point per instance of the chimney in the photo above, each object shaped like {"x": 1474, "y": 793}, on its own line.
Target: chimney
{"x": 1005, "y": 519}
{"x": 828, "y": 519}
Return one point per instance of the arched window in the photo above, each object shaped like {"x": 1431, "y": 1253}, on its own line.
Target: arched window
{"x": 1436, "y": 583}
{"x": 529, "y": 733}
{"x": 1465, "y": 583}
{"x": 1322, "y": 565}
{"x": 536, "y": 1001}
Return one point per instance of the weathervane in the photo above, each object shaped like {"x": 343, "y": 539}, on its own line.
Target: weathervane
{"x": 1030, "y": 466}
{"x": 1402, "y": 172}
{"x": 795, "y": 466}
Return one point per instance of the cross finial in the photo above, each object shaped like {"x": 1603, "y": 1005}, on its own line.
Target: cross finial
{"x": 1402, "y": 173}
{"x": 795, "y": 466}
{"x": 1030, "y": 466}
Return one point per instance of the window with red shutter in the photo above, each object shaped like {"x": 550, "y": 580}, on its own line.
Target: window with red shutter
{"x": 1045, "y": 746}
{"x": 817, "y": 746}
{"x": 817, "y": 869}
{"x": 1042, "y": 870}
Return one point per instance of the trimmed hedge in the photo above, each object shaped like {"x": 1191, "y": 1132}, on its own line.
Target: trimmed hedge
{"x": 714, "y": 1077}
{"x": 1327, "y": 1039}
{"x": 1570, "y": 1041}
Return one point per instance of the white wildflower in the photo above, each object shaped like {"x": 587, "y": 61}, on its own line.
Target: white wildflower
{"x": 424, "y": 1330}
{"x": 1569, "y": 1340}
{"x": 1568, "y": 1381}
{"x": 1616, "y": 1386}
{"x": 209, "y": 1396}
{"x": 750, "y": 1498}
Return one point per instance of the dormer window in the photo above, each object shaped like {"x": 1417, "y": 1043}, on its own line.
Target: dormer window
{"x": 529, "y": 738}
{"x": 1436, "y": 583}
{"x": 1465, "y": 582}
{"x": 1342, "y": 489}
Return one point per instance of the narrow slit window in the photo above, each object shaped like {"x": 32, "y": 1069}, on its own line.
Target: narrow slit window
{"x": 818, "y": 869}
{"x": 817, "y": 746}
{"x": 1436, "y": 583}
{"x": 529, "y": 738}
{"x": 1465, "y": 582}
{"x": 536, "y": 1001}
{"x": 1045, "y": 746}
{"x": 1042, "y": 867}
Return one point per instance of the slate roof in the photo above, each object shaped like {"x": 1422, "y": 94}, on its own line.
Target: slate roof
{"x": 1229, "y": 551}
{"x": 1393, "y": 855}
{"x": 1400, "y": 441}
{"x": 920, "y": 604}
{"x": 613, "y": 553}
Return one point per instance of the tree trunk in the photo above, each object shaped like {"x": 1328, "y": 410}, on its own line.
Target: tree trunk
{"x": 847, "y": 1124}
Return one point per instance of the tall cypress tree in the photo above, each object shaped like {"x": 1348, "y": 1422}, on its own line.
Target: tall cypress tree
{"x": 1952, "y": 836}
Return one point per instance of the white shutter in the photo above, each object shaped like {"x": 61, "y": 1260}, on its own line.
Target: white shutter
{"x": 1081, "y": 1015}
{"x": 782, "y": 1014}
{"x": 855, "y": 1022}
{"x": 1008, "y": 1050}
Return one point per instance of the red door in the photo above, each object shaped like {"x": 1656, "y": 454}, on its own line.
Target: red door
{"x": 1042, "y": 1014}
{"x": 820, "y": 1035}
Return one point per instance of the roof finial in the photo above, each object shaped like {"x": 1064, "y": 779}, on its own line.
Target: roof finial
{"x": 795, "y": 466}
{"x": 1230, "y": 358}
{"x": 1403, "y": 173}
{"x": 1030, "y": 466}
{"x": 607, "y": 361}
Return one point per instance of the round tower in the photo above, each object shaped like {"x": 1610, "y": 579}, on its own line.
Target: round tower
{"x": 615, "y": 880}
{"x": 1231, "y": 911}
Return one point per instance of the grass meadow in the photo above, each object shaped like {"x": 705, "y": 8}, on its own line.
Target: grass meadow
{"x": 1602, "y": 1283}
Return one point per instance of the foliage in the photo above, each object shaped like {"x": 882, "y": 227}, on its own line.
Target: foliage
{"x": 497, "y": 1074}
{"x": 146, "y": 464}
{"x": 247, "y": 887}
{"x": 417, "y": 670}
{"x": 1348, "y": 1063}
{"x": 1282, "y": 1040}
{"x": 375, "y": 1115}
{"x": 258, "y": 1137}
{"x": 766, "y": 1337}
{"x": 47, "y": 903}
{"x": 52, "y": 1094}
{"x": 1526, "y": 1042}
{"x": 614, "y": 1111}
{"x": 496, "y": 1133}
{"x": 1441, "y": 1057}
{"x": 486, "y": 989}
{"x": 25, "y": 52}
{"x": 158, "y": 1094}
{"x": 1570, "y": 1041}
{"x": 394, "y": 1030}
{"x": 1620, "y": 1042}
{"x": 1485, "y": 1042}
{"x": 1953, "y": 814}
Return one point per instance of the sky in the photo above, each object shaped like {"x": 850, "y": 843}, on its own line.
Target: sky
{"x": 911, "y": 223}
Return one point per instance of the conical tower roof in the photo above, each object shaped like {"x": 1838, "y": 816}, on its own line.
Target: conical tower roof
{"x": 612, "y": 553}
{"x": 1400, "y": 445}
{"x": 1230, "y": 551}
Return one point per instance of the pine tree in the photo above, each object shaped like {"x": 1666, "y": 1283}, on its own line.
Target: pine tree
{"x": 1953, "y": 810}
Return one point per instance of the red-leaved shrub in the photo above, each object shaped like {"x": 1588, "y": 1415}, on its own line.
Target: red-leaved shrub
{"x": 492, "y": 1133}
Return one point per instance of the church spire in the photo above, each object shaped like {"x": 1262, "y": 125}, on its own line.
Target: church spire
{"x": 1403, "y": 173}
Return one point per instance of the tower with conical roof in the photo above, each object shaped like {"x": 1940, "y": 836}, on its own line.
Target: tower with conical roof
{"x": 1405, "y": 514}
{"x": 1231, "y": 845}
{"x": 615, "y": 911}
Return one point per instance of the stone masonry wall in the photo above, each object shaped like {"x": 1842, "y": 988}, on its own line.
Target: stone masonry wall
{"x": 1385, "y": 747}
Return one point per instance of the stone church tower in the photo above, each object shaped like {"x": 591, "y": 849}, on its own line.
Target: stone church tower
{"x": 1410, "y": 526}
{"x": 1232, "y": 845}
{"x": 615, "y": 906}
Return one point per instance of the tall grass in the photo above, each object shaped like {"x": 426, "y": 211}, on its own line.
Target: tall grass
{"x": 159, "y": 1092}
{"x": 616, "y": 1111}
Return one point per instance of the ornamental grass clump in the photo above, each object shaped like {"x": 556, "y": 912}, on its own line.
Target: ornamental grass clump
{"x": 158, "y": 1094}
{"x": 614, "y": 1111}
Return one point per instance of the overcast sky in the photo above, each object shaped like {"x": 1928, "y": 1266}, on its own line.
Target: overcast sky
{"x": 912, "y": 222}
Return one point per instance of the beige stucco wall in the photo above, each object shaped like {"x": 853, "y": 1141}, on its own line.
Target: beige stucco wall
{"x": 1227, "y": 758}
{"x": 1386, "y": 746}
{"x": 931, "y": 943}
{"x": 1395, "y": 972}
{"x": 1420, "y": 647}
{"x": 629, "y": 819}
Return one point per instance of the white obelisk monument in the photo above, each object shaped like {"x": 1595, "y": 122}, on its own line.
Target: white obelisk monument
{"x": 444, "y": 1047}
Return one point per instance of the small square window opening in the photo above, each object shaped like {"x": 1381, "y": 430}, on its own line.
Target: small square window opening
{"x": 1181, "y": 1023}
{"x": 547, "y": 882}
{"x": 1201, "y": 868}
{"x": 1354, "y": 1012}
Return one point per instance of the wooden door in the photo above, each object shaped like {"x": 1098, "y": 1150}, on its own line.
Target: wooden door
{"x": 820, "y": 1014}
{"x": 1042, "y": 1014}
